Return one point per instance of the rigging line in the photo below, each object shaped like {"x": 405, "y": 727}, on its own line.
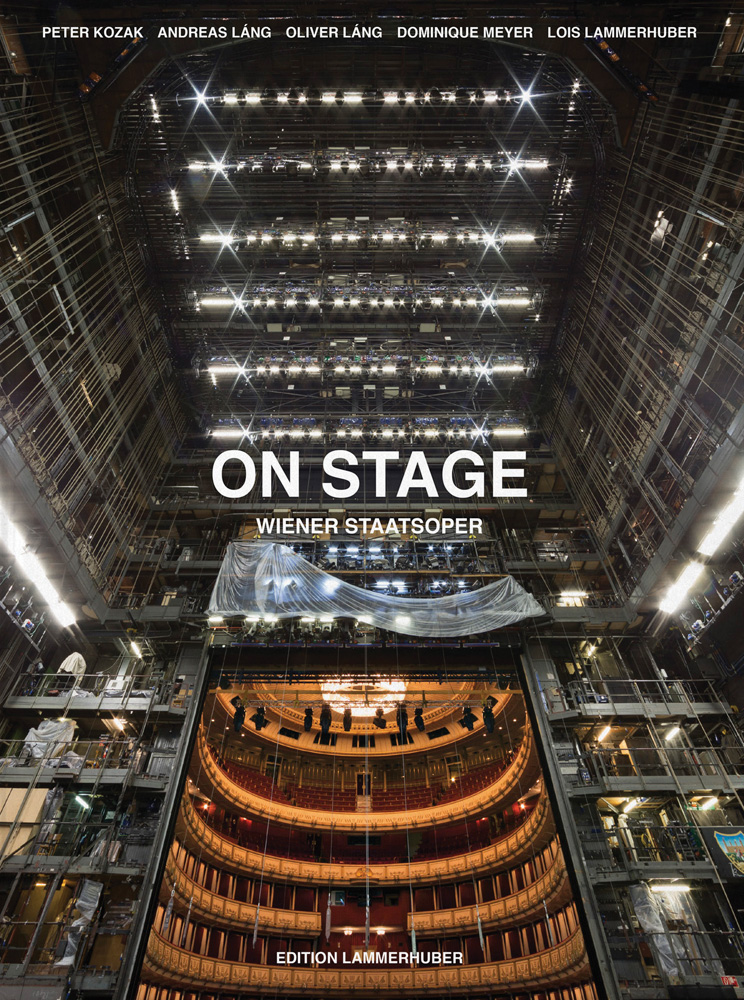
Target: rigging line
{"x": 273, "y": 787}
{"x": 570, "y": 366}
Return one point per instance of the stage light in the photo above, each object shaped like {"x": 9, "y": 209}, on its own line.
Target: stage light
{"x": 402, "y": 722}
{"x": 488, "y": 719}
{"x": 604, "y": 734}
{"x": 347, "y": 720}
{"x": 678, "y": 591}
{"x": 259, "y": 719}
{"x": 674, "y": 731}
{"x": 308, "y": 722}
{"x": 30, "y": 566}
{"x": 379, "y": 720}
{"x": 469, "y": 718}
{"x": 239, "y": 714}
{"x": 418, "y": 719}
{"x": 325, "y": 720}
{"x": 723, "y": 524}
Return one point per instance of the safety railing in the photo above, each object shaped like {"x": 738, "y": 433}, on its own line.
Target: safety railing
{"x": 135, "y": 690}
{"x": 532, "y": 835}
{"x": 580, "y": 693}
{"x": 170, "y": 963}
{"x": 713, "y": 765}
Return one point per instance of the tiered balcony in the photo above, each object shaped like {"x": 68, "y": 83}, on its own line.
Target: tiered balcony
{"x": 520, "y": 907}
{"x": 224, "y": 912}
{"x": 532, "y": 835}
{"x": 519, "y": 775}
{"x": 565, "y": 962}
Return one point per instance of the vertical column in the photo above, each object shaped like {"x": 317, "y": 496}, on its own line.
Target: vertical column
{"x": 535, "y": 665}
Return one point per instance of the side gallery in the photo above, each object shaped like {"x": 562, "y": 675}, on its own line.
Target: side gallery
{"x": 337, "y": 466}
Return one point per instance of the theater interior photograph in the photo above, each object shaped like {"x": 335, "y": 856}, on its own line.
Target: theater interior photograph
{"x": 371, "y": 501}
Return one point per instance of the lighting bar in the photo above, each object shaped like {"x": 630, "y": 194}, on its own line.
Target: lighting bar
{"x": 356, "y": 302}
{"x": 462, "y": 96}
{"x": 630, "y": 805}
{"x": 518, "y": 300}
{"x": 228, "y": 432}
{"x": 671, "y": 887}
{"x": 321, "y": 163}
{"x": 679, "y": 590}
{"x": 135, "y": 648}
{"x": 575, "y": 594}
{"x": 417, "y": 237}
{"x": 216, "y": 238}
{"x": 29, "y": 565}
{"x": 604, "y": 734}
{"x": 217, "y": 301}
{"x": 674, "y": 731}
{"x": 443, "y": 430}
{"x": 723, "y": 524}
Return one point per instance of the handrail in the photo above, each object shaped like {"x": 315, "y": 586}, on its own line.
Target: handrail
{"x": 532, "y": 835}
{"x": 564, "y": 962}
{"x": 517, "y": 908}
{"x": 519, "y": 776}
{"x": 226, "y": 912}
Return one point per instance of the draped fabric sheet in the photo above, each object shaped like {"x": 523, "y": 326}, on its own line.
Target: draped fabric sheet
{"x": 266, "y": 578}
{"x": 48, "y": 738}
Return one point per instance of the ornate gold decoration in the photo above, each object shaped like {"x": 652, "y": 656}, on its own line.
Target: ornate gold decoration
{"x": 536, "y": 831}
{"x": 519, "y": 908}
{"x": 166, "y": 963}
{"x": 224, "y": 912}
{"x": 520, "y": 774}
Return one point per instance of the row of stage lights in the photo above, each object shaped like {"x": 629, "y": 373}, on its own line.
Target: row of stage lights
{"x": 367, "y": 301}
{"x": 387, "y": 237}
{"x": 316, "y": 433}
{"x": 294, "y": 97}
{"x": 364, "y": 165}
{"x": 479, "y": 370}
{"x": 400, "y": 718}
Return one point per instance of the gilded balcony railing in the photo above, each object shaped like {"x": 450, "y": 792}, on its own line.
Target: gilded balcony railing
{"x": 518, "y": 908}
{"x": 563, "y": 963}
{"x": 515, "y": 780}
{"x": 536, "y": 831}
{"x": 225, "y": 912}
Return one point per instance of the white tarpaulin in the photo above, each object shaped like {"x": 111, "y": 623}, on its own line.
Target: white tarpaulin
{"x": 86, "y": 905}
{"x": 73, "y": 664}
{"x": 266, "y": 578}
{"x": 48, "y": 738}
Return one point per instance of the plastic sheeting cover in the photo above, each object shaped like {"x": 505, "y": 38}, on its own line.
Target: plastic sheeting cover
{"x": 267, "y": 578}
{"x": 48, "y": 738}
{"x": 86, "y": 904}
